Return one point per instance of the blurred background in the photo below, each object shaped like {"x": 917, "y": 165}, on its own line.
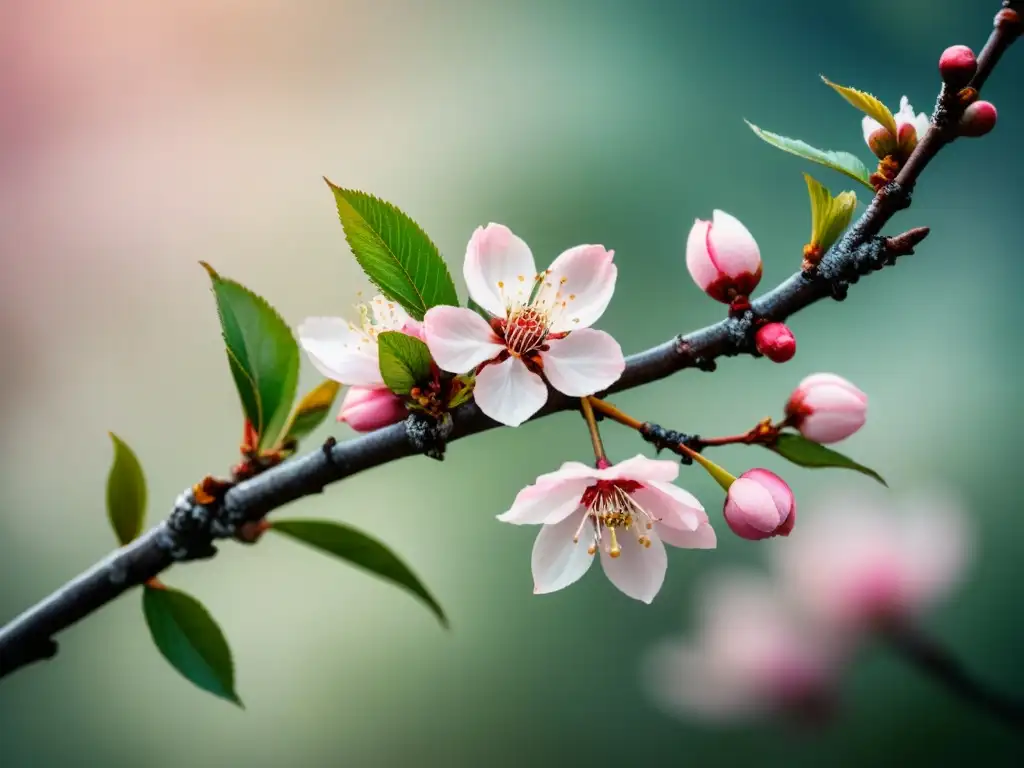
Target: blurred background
{"x": 138, "y": 138}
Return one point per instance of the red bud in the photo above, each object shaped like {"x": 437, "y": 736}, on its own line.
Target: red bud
{"x": 957, "y": 66}
{"x": 978, "y": 119}
{"x": 776, "y": 342}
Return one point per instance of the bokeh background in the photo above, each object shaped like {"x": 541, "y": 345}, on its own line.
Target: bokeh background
{"x": 138, "y": 138}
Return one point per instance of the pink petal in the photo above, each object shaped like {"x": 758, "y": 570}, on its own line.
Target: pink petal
{"x": 584, "y": 362}
{"x": 698, "y": 261}
{"x": 550, "y": 500}
{"x": 577, "y": 287}
{"x": 702, "y": 538}
{"x": 642, "y": 469}
{"x": 557, "y": 561}
{"x": 638, "y": 571}
{"x": 340, "y": 351}
{"x": 499, "y": 269}
{"x": 368, "y": 408}
{"x": 388, "y": 315}
{"x": 459, "y": 339}
{"x": 671, "y": 505}
{"x": 831, "y": 426}
{"x": 509, "y": 393}
{"x": 753, "y": 505}
{"x": 731, "y": 246}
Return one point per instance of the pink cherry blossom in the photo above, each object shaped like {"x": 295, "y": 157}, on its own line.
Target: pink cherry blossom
{"x": 627, "y": 512}
{"x": 540, "y": 326}
{"x": 827, "y": 408}
{"x": 759, "y": 504}
{"x": 346, "y": 352}
{"x": 723, "y": 258}
{"x": 368, "y": 408}
{"x": 862, "y": 557}
{"x": 910, "y": 128}
{"x": 752, "y": 652}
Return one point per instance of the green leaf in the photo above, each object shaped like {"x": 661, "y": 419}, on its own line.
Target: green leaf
{"x": 262, "y": 353}
{"x": 807, "y": 453}
{"x": 867, "y": 104}
{"x": 404, "y": 361}
{"x": 829, "y": 215}
{"x": 189, "y": 638}
{"x": 394, "y": 252}
{"x": 359, "y": 549}
{"x": 126, "y": 493}
{"x": 843, "y": 162}
{"x": 311, "y": 410}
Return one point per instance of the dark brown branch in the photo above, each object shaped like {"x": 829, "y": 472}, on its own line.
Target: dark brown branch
{"x": 192, "y": 528}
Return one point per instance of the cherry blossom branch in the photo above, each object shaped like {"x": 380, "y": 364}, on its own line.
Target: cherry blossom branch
{"x": 939, "y": 663}
{"x": 191, "y": 528}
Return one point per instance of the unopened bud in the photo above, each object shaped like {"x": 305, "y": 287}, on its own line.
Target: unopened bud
{"x": 957, "y": 66}
{"x": 776, "y": 342}
{"x": 368, "y": 408}
{"x": 723, "y": 258}
{"x": 827, "y": 408}
{"x": 760, "y": 505}
{"x": 978, "y": 119}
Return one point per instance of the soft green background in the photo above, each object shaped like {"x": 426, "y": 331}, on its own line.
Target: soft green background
{"x": 140, "y": 138}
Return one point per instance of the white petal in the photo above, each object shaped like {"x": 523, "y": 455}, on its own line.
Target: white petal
{"x": 459, "y": 339}
{"x": 547, "y": 501}
{"x": 671, "y": 505}
{"x": 702, "y": 538}
{"x": 577, "y": 287}
{"x": 638, "y": 571}
{"x": 509, "y": 393}
{"x": 869, "y": 125}
{"x": 387, "y": 314}
{"x": 557, "y": 560}
{"x": 584, "y": 362}
{"x": 340, "y": 351}
{"x": 643, "y": 469}
{"x": 499, "y": 269}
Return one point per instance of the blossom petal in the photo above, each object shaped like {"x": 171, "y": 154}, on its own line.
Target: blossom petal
{"x": 671, "y": 505}
{"x": 547, "y": 501}
{"x": 577, "y": 287}
{"x": 755, "y": 503}
{"x": 638, "y": 571}
{"x": 388, "y": 315}
{"x": 702, "y": 538}
{"x": 499, "y": 269}
{"x": 509, "y": 393}
{"x": 557, "y": 561}
{"x": 340, "y": 351}
{"x": 869, "y": 125}
{"x": 584, "y": 362}
{"x": 459, "y": 339}
{"x": 642, "y": 469}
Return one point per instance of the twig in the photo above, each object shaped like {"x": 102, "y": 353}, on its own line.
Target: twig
{"x": 190, "y": 530}
{"x": 926, "y": 654}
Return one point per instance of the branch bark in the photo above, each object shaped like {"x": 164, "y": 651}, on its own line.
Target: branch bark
{"x": 191, "y": 529}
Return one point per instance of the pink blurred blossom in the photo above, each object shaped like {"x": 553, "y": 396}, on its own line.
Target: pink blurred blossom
{"x": 751, "y": 653}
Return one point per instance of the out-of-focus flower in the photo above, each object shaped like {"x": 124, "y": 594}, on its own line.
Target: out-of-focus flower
{"x": 864, "y": 558}
{"x": 759, "y": 505}
{"x": 347, "y": 353}
{"x": 723, "y": 258}
{"x": 626, "y": 511}
{"x": 541, "y": 325}
{"x": 751, "y": 653}
{"x": 776, "y": 342}
{"x": 827, "y": 408}
{"x": 910, "y": 128}
{"x": 368, "y": 408}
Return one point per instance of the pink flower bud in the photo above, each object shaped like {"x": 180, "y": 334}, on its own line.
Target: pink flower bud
{"x": 827, "y": 408}
{"x": 759, "y": 505}
{"x": 957, "y": 66}
{"x": 978, "y": 119}
{"x": 723, "y": 257}
{"x": 776, "y": 342}
{"x": 368, "y": 408}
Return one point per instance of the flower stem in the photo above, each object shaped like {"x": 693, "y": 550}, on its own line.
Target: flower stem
{"x": 595, "y": 432}
{"x": 721, "y": 476}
